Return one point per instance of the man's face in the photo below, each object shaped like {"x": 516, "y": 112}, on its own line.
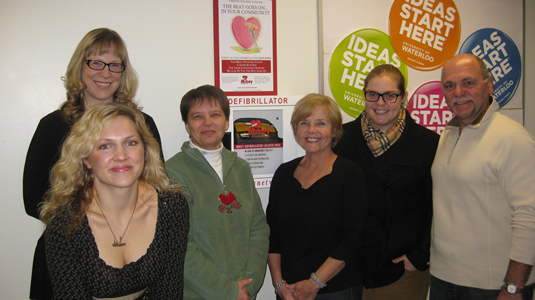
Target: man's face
{"x": 466, "y": 92}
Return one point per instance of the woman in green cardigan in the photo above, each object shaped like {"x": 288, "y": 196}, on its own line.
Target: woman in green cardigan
{"x": 228, "y": 241}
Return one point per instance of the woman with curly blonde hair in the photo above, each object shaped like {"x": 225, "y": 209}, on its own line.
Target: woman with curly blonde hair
{"x": 112, "y": 213}
{"x": 98, "y": 72}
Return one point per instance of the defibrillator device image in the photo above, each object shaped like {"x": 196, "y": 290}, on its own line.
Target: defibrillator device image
{"x": 255, "y": 131}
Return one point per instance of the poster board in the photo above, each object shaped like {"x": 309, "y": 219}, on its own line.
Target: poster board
{"x": 261, "y": 133}
{"x": 420, "y": 35}
{"x": 245, "y": 47}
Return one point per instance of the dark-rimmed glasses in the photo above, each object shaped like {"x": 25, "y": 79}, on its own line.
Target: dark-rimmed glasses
{"x": 387, "y": 97}
{"x": 100, "y": 65}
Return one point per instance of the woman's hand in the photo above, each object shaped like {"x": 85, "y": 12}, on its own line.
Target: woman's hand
{"x": 274, "y": 263}
{"x": 244, "y": 294}
{"x": 286, "y": 292}
{"x": 305, "y": 289}
{"x": 408, "y": 265}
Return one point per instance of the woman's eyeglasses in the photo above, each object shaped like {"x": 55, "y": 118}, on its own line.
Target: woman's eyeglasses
{"x": 100, "y": 65}
{"x": 387, "y": 97}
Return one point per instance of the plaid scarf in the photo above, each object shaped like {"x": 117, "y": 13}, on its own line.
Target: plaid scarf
{"x": 377, "y": 141}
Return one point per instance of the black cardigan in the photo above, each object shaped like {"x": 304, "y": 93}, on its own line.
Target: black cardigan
{"x": 400, "y": 202}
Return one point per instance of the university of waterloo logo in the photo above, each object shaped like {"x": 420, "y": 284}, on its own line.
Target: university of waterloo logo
{"x": 245, "y": 81}
{"x": 256, "y": 128}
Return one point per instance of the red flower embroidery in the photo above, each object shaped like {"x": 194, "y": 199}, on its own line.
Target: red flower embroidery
{"x": 229, "y": 203}
{"x": 227, "y": 199}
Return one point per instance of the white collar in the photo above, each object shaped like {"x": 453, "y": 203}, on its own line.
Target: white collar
{"x": 213, "y": 157}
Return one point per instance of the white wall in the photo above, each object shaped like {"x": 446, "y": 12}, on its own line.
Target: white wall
{"x": 171, "y": 47}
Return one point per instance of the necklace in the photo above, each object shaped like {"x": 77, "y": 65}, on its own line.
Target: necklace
{"x": 116, "y": 243}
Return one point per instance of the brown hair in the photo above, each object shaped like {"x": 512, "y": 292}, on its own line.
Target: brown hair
{"x": 390, "y": 71}
{"x": 200, "y": 95}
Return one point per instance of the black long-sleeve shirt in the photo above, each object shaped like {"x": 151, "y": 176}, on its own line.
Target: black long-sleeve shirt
{"x": 326, "y": 220}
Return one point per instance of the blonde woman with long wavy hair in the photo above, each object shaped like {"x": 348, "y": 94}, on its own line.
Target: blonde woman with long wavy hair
{"x": 116, "y": 227}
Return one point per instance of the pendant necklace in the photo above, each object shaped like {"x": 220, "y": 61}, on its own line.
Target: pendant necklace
{"x": 116, "y": 243}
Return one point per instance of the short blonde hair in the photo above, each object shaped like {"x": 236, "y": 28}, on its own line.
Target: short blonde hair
{"x": 71, "y": 180}
{"x": 97, "y": 42}
{"x": 306, "y": 107}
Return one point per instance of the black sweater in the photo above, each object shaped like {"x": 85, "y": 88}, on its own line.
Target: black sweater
{"x": 399, "y": 190}
{"x": 326, "y": 220}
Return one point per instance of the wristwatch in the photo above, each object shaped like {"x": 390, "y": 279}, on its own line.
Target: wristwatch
{"x": 512, "y": 288}
{"x": 317, "y": 280}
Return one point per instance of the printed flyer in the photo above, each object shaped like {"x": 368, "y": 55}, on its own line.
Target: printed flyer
{"x": 245, "y": 47}
{"x": 258, "y": 139}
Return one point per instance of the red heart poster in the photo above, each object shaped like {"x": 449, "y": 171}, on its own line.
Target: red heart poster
{"x": 246, "y": 32}
{"x": 245, "y": 47}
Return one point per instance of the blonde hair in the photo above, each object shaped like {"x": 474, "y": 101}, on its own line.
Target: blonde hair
{"x": 305, "y": 107}
{"x": 97, "y": 42}
{"x": 71, "y": 180}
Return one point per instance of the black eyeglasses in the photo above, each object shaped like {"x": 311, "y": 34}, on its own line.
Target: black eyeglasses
{"x": 100, "y": 65}
{"x": 387, "y": 97}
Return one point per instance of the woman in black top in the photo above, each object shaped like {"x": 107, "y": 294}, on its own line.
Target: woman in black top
{"x": 396, "y": 155}
{"x": 316, "y": 211}
{"x": 116, "y": 227}
{"x": 99, "y": 72}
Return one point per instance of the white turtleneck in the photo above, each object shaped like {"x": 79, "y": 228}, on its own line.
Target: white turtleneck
{"x": 213, "y": 157}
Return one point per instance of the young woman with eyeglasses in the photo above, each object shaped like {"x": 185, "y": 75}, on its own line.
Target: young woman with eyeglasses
{"x": 396, "y": 155}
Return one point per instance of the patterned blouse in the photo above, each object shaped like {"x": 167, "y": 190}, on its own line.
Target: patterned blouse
{"x": 77, "y": 272}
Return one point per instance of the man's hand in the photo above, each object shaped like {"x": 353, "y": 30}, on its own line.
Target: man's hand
{"x": 504, "y": 295}
{"x": 517, "y": 273}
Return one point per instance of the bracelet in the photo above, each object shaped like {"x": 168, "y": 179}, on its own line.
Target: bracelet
{"x": 278, "y": 286}
{"x": 317, "y": 280}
